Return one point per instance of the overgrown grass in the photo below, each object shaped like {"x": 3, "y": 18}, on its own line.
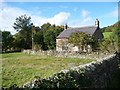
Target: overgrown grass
{"x": 19, "y": 68}
{"x": 107, "y": 34}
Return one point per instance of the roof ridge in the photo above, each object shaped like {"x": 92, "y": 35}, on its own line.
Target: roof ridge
{"x": 82, "y": 27}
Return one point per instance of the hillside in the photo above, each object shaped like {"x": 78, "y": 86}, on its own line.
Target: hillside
{"x": 111, "y": 28}
{"x": 107, "y": 31}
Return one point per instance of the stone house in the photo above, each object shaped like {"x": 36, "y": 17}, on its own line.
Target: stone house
{"x": 62, "y": 39}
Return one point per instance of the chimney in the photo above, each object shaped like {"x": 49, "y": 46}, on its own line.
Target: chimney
{"x": 65, "y": 26}
{"x": 97, "y": 23}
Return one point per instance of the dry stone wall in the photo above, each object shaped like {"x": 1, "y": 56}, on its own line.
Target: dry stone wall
{"x": 92, "y": 55}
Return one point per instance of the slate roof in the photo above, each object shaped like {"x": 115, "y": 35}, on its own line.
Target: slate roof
{"x": 88, "y": 30}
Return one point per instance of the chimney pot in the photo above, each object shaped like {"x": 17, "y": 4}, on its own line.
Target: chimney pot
{"x": 65, "y": 27}
{"x": 97, "y": 22}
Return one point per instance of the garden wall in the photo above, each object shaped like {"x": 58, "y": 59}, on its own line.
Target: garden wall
{"x": 92, "y": 55}
{"x": 92, "y": 75}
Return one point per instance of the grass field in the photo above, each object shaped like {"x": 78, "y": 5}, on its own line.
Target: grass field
{"x": 19, "y": 68}
{"x": 107, "y": 34}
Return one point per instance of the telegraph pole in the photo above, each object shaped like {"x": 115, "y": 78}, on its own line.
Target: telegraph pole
{"x": 33, "y": 27}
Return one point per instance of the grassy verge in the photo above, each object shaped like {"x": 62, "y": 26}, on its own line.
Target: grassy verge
{"x": 19, "y": 68}
{"x": 107, "y": 34}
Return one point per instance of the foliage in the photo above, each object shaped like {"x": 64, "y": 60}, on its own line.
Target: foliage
{"x": 19, "y": 42}
{"x": 111, "y": 42}
{"x": 45, "y": 26}
{"x": 50, "y": 32}
{"x": 104, "y": 45}
{"x": 80, "y": 39}
{"x": 50, "y": 35}
{"x": 103, "y": 29}
{"x": 111, "y": 28}
{"x": 23, "y": 26}
{"x": 38, "y": 40}
{"x": 7, "y": 40}
{"x": 49, "y": 39}
{"x": 29, "y": 36}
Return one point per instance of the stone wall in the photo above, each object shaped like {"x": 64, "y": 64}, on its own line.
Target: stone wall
{"x": 61, "y": 44}
{"x": 64, "y": 54}
{"x": 92, "y": 75}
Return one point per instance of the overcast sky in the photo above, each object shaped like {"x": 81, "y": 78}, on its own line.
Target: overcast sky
{"x": 75, "y": 14}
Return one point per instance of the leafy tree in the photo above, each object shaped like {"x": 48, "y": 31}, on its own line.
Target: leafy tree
{"x": 111, "y": 28}
{"x": 44, "y": 38}
{"x": 103, "y": 29}
{"x": 19, "y": 42}
{"x": 45, "y": 26}
{"x": 49, "y": 39}
{"x": 50, "y": 36}
{"x": 7, "y": 40}
{"x": 38, "y": 40}
{"x": 23, "y": 26}
{"x": 80, "y": 39}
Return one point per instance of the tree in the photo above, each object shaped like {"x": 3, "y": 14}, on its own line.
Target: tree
{"x": 49, "y": 32}
{"x": 7, "y": 41}
{"x": 50, "y": 36}
{"x": 45, "y": 26}
{"x": 80, "y": 39}
{"x": 49, "y": 39}
{"x": 38, "y": 40}
{"x": 19, "y": 42}
{"x": 23, "y": 26}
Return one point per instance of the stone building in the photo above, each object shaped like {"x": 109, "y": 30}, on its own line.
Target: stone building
{"x": 62, "y": 39}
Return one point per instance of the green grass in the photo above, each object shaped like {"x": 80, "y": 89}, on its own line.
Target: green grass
{"x": 107, "y": 34}
{"x": 19, "y": 68}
